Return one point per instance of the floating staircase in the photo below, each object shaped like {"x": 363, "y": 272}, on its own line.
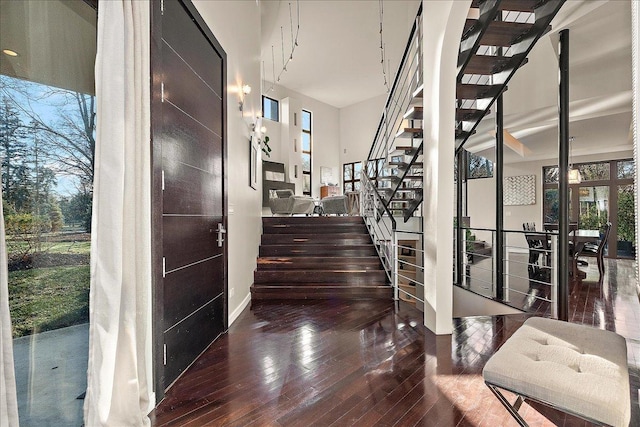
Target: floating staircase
{"x": 497, "y": 38}
{"x": 318, "y": 258}
{"x": 493, "y": 46}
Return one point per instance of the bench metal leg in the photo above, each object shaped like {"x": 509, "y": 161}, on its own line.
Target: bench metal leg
{"x": 512, "y": 409}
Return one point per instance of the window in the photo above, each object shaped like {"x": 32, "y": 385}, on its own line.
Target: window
{"x": 270, "y": 109}
{"x": 479, "y": 167}
{"x": 306, "y": 152}
{"x": 351, "y": 176}
{"x": 47, "y": 140}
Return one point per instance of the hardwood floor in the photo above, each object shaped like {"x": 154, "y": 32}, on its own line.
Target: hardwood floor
{"x": 329, "y": 363}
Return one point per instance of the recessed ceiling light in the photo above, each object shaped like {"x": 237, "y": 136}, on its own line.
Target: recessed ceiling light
{"x": 9, "y": 52}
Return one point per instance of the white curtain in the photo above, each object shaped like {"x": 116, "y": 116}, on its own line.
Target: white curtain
{"x": 8, "y": 398}
{"x": 119, "y": 377}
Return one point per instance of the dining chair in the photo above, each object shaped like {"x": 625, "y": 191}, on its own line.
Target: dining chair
{"x": 538, "y": 263}
{"x": 598, "y": 250}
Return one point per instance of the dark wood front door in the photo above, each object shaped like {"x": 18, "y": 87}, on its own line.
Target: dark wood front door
{"x": 188, "y": 132}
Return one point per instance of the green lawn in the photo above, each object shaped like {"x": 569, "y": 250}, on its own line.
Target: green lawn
{"x": 44, "y": 299}
{"x": 77, "y": 247}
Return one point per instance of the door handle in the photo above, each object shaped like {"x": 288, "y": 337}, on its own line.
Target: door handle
{"x": 221, "y": 231}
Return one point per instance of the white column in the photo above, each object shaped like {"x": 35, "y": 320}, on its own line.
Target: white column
{"x": 443, "y": 23}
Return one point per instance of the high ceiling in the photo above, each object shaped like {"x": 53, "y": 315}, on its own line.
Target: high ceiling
{"x": 338, "y": 62}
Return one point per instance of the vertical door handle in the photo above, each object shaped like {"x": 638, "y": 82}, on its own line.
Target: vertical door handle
{"x": 221, "y": 231}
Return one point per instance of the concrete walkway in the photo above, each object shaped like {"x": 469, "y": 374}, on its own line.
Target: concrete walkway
{"x": 51, "y": 373}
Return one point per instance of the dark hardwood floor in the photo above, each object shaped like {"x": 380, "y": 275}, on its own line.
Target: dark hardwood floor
{"x": 372, "y": 363}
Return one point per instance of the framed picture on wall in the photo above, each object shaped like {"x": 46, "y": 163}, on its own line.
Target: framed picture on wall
{"x": 254, "y": 149}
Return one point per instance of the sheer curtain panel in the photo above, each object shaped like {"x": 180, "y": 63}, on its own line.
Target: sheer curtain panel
{"x": 119, "y": 377}
{"x": 8, "y": 398}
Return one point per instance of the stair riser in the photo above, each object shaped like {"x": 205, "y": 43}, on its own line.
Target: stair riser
{"x": 295, "y": 292}
{"x": 317, "y": 251}
{"x": 313, "y": 220}
{"x": 296, "y": 239}
{"x": 302, "y": 277}
{"x": 319, "y": 265}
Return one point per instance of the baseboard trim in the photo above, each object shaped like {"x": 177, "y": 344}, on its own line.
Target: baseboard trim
{"x": 245, "y": 302}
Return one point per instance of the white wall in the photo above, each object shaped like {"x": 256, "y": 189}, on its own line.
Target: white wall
{"x": 325, "y": 129}
{"x": 358, "y": 125}
{"x": 236, "y": 25}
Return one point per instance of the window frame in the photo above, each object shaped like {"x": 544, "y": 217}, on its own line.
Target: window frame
{"x": 277, "y": 119}
{"x": 309, "y": 152}
{"x": 353, "y": 180}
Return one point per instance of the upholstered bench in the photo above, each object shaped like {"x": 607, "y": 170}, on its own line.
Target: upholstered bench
{"x": 574, "y": 368}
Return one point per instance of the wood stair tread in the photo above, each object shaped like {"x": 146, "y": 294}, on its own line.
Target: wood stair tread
{"x": 293, "y": 238}
{"x": 304, "y": 277}
{"x": 325, "y": 229}
{"x": 280, "y": 284}
{"x": 504, "y": 34}
{"x": 488, "y": 64}
{"x": 279, "y": 292}
{"x": 408, "y": 150}
{"x": 470, "y": 91}
{"x": 414, "y": 113}
{"x": 409, "y": 133}
{"x": 469, "y": 114}
{"x": 513, "y": 5}
{"x": 404, "y": 165}
{"x": 417, "y": 94}
{"x": 396, "y": 177}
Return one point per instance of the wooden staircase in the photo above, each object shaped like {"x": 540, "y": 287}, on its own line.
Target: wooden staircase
{"x": 318, "y": 258}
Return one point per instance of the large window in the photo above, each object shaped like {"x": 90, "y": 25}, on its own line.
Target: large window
{"x": 604, "y": 194}
{"x": 270, "y": 109}
{"x": 47, "y": 142}
{"x": 307, "y": 142}
{"x": 351, "y": 173}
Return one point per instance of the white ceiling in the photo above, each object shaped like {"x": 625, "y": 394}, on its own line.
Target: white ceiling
{"x": 338, "y": 62}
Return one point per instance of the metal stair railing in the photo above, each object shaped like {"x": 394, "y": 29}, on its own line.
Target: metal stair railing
{"x": 407, "y": 80}
{"x": 375, "y": 211}
{"x": 381, "y": 226}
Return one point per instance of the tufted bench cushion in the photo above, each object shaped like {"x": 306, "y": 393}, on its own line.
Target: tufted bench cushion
{"x": 575, "y": 368}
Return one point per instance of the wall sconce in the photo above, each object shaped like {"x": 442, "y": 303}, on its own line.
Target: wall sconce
{"x": 258, "y": 129}
{"x": 244, "y": 91}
